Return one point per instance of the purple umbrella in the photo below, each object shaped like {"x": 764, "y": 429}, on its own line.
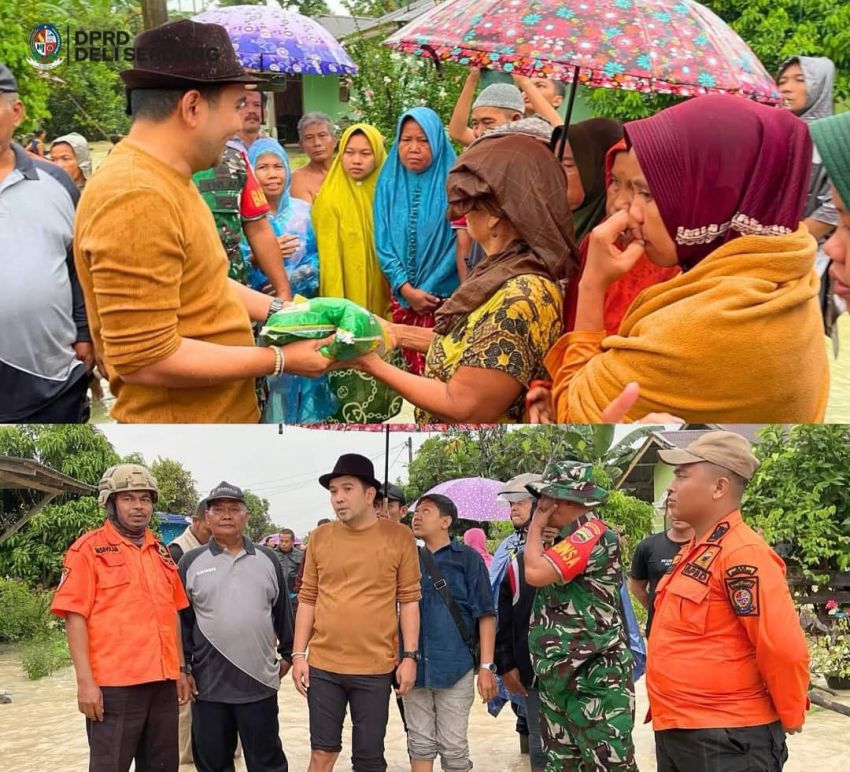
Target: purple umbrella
{"x": 476, "y": 498}
{"x": 271, "y": 40}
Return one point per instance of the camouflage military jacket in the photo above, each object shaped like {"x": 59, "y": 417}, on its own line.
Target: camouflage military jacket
{"x": 221, "y": 189}
{"x": 580, "y": 617}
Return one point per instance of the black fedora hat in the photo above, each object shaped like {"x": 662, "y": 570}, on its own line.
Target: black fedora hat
{"x": 184, "y": 54}
{"x": 355, "y": 465}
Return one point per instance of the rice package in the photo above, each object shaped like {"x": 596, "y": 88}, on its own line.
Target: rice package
{"x": 356, "y": 331}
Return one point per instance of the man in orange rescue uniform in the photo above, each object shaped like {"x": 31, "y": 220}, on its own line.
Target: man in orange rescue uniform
{"x": 728, "y": 669}
{"x": 120, "y": 593}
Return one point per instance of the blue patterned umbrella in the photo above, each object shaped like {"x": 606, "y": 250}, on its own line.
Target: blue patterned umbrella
{"x": 476, "y": 498}
{"x": 275, "y": 41}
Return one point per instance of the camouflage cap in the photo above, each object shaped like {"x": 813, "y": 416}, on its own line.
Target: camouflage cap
{"x": 570, "y": 481}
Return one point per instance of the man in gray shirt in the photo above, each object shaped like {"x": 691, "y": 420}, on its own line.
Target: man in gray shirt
{"x": 239, "y": 609}
{"x": 46, "y": 351}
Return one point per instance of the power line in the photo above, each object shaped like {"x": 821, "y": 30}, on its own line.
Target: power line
{"x": 282, "y": 485}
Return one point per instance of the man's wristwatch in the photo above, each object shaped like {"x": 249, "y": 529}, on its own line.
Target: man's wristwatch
{"x": 414, "y": 655}
{"x": 491, "y": 666}
{"x": 187, "y": 668}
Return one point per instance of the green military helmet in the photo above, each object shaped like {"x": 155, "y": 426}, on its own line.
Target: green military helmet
{"x": 126, "y": 477}
{"x": 570, "y": 481}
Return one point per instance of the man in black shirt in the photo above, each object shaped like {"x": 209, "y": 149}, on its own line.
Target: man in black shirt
{"x": 652, "y": 559}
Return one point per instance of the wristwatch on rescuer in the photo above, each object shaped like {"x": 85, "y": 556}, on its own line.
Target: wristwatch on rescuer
{"x": 491, "y": 666}
{"x": 187, "y": 668}
{"x": 414, "y": 655}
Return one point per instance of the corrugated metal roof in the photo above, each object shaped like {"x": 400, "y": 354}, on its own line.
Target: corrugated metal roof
{"x": 28, "y": 474}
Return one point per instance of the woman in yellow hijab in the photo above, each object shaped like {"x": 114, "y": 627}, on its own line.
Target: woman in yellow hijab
{"x": 342, "y": 218}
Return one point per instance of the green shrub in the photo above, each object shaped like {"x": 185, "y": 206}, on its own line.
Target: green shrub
{"x": 45, "y": 655}
{"x": 24, "y": 613}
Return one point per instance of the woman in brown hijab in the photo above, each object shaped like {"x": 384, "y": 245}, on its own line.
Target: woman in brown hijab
{"x": 491, "y": 335}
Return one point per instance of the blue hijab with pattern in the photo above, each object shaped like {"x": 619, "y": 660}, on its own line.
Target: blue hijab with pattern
{"x": 413, "y": 236}
{"x": 291, "y": 218}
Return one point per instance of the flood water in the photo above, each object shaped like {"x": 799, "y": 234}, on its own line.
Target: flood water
{"x": 41, "y": 731}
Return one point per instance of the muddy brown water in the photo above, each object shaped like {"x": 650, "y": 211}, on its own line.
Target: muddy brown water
{"x": 41, "y": 731}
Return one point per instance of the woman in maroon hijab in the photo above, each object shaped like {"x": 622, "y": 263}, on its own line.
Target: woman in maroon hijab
{"x": 719, "y": 184}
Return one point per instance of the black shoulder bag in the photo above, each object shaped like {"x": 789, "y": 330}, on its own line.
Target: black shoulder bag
{"x": 442, "y": 589}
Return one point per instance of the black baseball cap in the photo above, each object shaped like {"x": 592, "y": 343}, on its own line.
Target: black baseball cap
{"x": 224, "y": 490}
{"x": 8, "y": 83}
{"x": 393, "y": 493}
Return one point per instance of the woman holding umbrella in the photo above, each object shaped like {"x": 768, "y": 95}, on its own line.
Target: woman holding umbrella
{"x": 719, "y": 188}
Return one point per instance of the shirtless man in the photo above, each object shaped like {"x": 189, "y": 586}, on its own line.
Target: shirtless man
{"x": 317, "y": 137}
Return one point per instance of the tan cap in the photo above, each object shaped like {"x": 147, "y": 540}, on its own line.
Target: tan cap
{"x": 726, "y": 449}
{"x": 515, "y": 489}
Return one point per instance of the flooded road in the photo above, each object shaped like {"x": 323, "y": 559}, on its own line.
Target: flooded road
{"x": 41, "y": 731}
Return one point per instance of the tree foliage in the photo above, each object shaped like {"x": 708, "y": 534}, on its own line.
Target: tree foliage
{"x": 76, "y": 96}
{"x": 388, "y": 83}
{"x": 259, "y": 522}
{"x": 178, "y": 492}
{"x": 800, "y": 496}
{"x": 501, "y": 453}
{"x": 35, "y": 552}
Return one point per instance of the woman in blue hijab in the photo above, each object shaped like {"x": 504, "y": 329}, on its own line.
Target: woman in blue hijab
{"x": 290, "y": 219}
{"x": 292, "y": 398}
{"x": 414, "y": 239}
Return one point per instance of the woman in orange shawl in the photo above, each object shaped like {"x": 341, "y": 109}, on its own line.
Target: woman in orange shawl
{"x": 737, "y": 337}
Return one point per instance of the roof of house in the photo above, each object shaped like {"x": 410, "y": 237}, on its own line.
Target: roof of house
{"x": 342, "y": 26}
{"x": 389, "y": 21}
{"x": 29, "y": 474}
{"x": 639, "y": 476}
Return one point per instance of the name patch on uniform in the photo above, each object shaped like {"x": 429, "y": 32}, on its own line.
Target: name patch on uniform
{"x": 107, "y": 548}
{"x": 695, "y": 572}
{"x": 742, "y": 570}
{"x": 706, "y": 557}
{"x": 744, "y": 596}
{"x": 205, "y": 571}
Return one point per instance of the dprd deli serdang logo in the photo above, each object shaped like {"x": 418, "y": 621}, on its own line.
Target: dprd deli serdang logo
{"x": 51, "y": 47}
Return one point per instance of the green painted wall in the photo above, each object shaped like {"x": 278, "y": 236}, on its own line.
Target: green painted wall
{"x": 321, "y": 93}
{"x": 663, "y": 477}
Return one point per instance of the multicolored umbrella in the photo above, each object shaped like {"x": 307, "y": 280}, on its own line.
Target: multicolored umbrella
{"x": 659, "y": 46}
{"x": 476, "y": 498}
{"x": 271, "y": 40}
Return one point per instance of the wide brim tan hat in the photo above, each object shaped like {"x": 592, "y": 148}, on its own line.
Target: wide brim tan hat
{"x": 515, "y": 489}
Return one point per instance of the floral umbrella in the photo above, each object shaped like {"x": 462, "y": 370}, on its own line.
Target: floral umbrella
{"x": 659, "y": 46}
{"x": 271, "y": 40}
{"x": 476, "y": 498}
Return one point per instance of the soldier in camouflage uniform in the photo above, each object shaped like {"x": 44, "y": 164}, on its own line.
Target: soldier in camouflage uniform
{"x": 577, "y": 636}
{"x": 221, "y": 188}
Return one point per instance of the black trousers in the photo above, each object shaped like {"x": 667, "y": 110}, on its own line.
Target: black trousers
{"x": 215, "y": 726}
{"x": 139, "y": 722}
{"x": 740, "y": 749}
{"x": 369, "y": 697}
{"x": 70, "y": 407}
